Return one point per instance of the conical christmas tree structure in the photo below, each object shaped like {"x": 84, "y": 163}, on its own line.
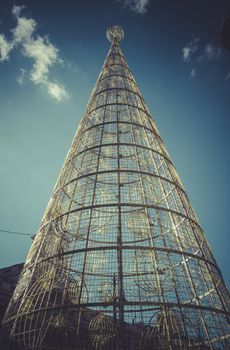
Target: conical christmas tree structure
{"x": 120, "y": 260}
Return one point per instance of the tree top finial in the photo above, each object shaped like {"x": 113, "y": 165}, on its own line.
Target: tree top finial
{"x": 115, "y": 34}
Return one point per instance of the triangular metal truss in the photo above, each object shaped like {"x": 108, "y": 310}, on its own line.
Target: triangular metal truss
{"x": 120, "y": 260}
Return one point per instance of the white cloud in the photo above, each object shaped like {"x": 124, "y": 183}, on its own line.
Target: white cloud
{"x": 138, "y": 6}
{"x": 16, "y": 10}
{"x": 72, "y": 66}
{"x": 186, "y": 53}
{"x": 193, "y": 73}
{"x": 24, "y": 30}
{"x": 43, "y": 54}
{"x": 212, "y": 52}
{"x": 21, "y": 77}
{"x": 5, "y": 48}
{"x": 194, "y": 50}
{"x": 189, "y": 50}
{"x": 56, "y": 90}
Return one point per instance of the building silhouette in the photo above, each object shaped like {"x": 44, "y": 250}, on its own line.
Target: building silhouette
{"x": 8, "y": 280}
{"x": 120, "y": 260}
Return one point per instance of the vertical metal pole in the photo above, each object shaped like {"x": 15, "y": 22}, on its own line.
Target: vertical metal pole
{"x": 119, "y": 245}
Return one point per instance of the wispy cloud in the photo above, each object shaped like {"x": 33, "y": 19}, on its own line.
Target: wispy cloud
{"x": 16, "y": 10}
{"x": 193, "y": 73}
{"x": 39, "y": 49}
{"x": 212, "y": 52}
{"x": 21, "y": 77}
{"x": 227, "y": 77}
{"x": 190, "y": 49}
{"x": 5, "y": 48}
{"x": 137, "y": 6}
{"x": 196, "y": 52}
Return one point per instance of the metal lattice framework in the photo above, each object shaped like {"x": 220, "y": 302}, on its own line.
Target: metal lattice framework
{"x": 120, "y": 260}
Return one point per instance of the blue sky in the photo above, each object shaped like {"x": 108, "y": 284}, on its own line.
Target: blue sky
{"x": 51, "y": 53}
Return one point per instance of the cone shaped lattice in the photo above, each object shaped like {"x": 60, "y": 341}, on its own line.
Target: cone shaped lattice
{"x": 120, "y": 260}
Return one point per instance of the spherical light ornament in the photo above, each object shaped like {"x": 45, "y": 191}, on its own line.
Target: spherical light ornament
{"x": 115, "y": 34}
{"x": 102, "y": 330}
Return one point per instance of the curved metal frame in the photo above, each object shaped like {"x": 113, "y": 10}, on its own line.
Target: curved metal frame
{"x": 120, "y": 260}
